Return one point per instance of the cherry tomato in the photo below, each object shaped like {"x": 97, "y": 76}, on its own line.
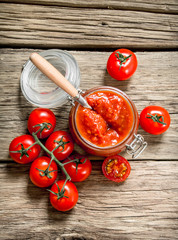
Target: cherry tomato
{"x": 122, "y": 64}
{"x": 63, "y": 198}
{"x": 44, "y": 118}
{"x": 116, "y": 168}
{"x": 40, "y": 174}
{"x": 20, "y": 150}
{"x": 78, "y": 170}
{"x": 155, "y": 119}
{"x": 62, "y": 142}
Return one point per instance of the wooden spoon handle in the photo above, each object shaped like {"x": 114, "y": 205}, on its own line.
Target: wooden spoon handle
{"x": 52, "y": 73}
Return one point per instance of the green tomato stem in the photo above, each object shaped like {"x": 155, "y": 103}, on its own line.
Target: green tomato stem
{"x": 61, "y": 165}
{"x": 156, "y": 118}
{"x": 121, "y": 58}
{"x": 42, "y": 126}
{"x": 61, "y": 143}
{"x": 74, "y": 160}
{"x": 31, "y": 146}
{"x": 62, "y": 190}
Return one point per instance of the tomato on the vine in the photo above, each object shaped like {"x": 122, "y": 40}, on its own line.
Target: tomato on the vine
{"x": 21, "y": 151}
{"x": 116, "y": 168}
{"x": 155, "y": 119}
{"x": 41, "y": 174}
{"x": 60, "y": 143}
{"x": 41, "y": 118}
{"x": 122, "y": 64}
{"x": 63, "y": 197}
{"x": 79, "y": 169}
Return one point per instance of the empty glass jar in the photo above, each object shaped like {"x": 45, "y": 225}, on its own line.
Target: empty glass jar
{"x": 41, "y": 91}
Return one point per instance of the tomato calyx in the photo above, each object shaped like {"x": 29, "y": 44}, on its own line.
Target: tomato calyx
{"x": 46, "y": 172}
{"x": 156, "y": 118}
{"x": 23, "y": 151}
{"x": 77, "y": 161}
{"x": 121, "y": 58}
{"x": 60, "y": 193}
{"x": 43, "y": 126}
{"x": 61, "y": 143}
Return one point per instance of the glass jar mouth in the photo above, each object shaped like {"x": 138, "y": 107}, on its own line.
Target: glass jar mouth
{"x": 41, "y": 91}
{"x": 133, "y": 109}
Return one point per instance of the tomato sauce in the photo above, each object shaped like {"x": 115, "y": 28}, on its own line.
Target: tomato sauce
{"x": 108, "y": 122}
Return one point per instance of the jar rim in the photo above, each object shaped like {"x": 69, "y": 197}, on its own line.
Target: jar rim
{"x": 129, "y": 101}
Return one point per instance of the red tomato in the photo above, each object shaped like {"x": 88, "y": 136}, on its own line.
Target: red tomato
{"x": 20, "y": 150}
{"x": 155, "y": 119}
{"x": 62, "y": 142}
{"x": 78, "y": 170}
{"x": 63, "y": 199}
{"x": 45, "y": 177}
{"x": 41, "y": 116}
{"x": 122, "y": 64}
{"x": 116, "y": 168}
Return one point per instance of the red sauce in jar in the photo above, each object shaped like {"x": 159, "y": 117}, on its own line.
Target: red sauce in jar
{"x": 110, "y": 121}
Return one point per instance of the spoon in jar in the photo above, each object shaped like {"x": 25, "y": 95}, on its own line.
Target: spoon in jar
{"x": 54, "y": 75}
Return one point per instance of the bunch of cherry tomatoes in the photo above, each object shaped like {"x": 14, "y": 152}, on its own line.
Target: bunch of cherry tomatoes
{"x": 59, "y": 145}
{"x": 44, "y": 170}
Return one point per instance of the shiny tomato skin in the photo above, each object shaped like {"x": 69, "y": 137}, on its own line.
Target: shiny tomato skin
{"x": 149, "y": 125}
{"x": 60, "y": 153}
{"x": 42, "y": 163}
{"x": 27, "y": 141}
{"x": 38, "y": 116}
{"x": 64, "y": 204}
{"x": 124, "y": 71}
{"x": 120, "y": 160}
{"x": 83, "y": 169}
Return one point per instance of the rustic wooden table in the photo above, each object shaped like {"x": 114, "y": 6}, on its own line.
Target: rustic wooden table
{"x": 146, "y": 205}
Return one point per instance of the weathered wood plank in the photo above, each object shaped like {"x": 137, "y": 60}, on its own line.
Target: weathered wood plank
{"x": 165, "y": 6}
{"x": 144, "y": 207}
{"x": 154, "y": 83}
{"x": 48, "y": 26}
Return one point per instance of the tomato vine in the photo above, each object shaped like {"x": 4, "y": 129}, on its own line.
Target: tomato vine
{"x": 61, "y": 143}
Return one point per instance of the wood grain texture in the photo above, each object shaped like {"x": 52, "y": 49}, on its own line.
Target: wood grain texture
{"x": 143, "y": 207}
{"x": 154, "y": 83}
{"x": 164, "y": 6}
{"x": 24, "y": 25}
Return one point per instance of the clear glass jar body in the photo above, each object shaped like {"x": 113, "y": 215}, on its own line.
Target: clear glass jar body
{"x": 41, "y": 91}
{"x": 103, "y": 151}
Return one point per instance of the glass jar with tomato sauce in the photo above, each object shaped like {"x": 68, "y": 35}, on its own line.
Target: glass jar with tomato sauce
{"x": 110, "y": 126}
